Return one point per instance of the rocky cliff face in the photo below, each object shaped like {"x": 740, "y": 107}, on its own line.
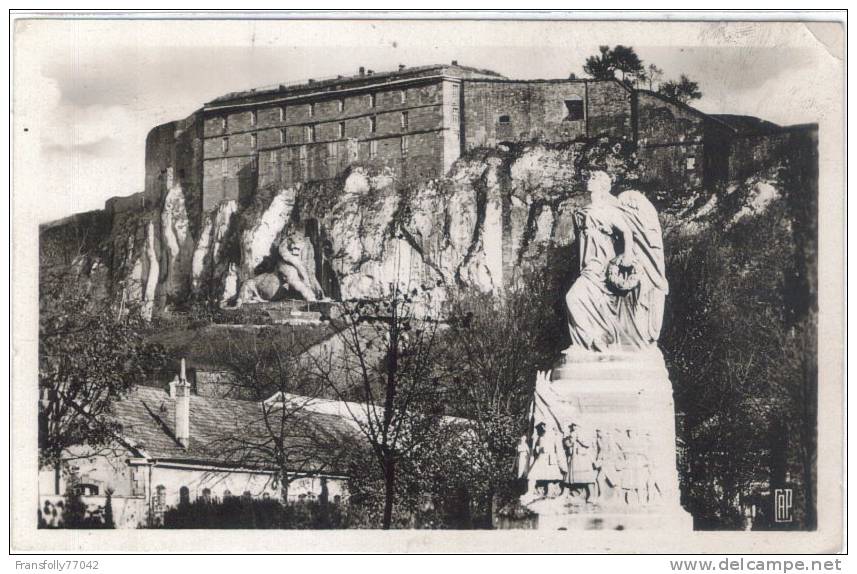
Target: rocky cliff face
{"x": 497, "y": 216}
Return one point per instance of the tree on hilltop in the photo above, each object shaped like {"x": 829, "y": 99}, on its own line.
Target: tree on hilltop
{"x": 682, "y": 91}
{"x": 622, "y": 59}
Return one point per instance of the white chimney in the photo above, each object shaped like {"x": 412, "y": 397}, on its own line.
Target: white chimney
{"x": 182, "y": 395}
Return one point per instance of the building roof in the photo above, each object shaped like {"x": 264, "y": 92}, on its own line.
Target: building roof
{"x": 688, "y": 108}
{"x": 222, "y": 429}
{"x": 746, "y": 125}
{"x": 331, "y": 84}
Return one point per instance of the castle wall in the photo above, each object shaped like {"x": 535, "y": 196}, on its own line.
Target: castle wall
{"x": 178, "y": 146}
{"x": 609, "y": 110}
{"x": 673, "y": 142}
{"x": 399, "y": 127}
{"x": 497, "y": 111}
{"x": 754, "y": 154}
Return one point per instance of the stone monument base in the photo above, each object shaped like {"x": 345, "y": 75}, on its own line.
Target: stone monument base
{"x": 621, "y": 404}
{"x": 552, "y": 516}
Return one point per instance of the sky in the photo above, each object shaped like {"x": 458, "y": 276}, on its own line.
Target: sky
{"x": 86, "y": 92}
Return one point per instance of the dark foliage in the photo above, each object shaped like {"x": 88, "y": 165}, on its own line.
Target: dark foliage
{"x": 245, "y": 513}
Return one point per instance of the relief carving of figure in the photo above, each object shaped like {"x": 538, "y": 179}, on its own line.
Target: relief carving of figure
{"x": 548, "y": 465}
{"x": 618, "y": 299}
{"x": 634, "y": 473}
{"x": 580, "y": 461}
{"x": 608, "y": 463}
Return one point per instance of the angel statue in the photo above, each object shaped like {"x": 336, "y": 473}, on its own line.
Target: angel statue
{"x": 617, "y": 302}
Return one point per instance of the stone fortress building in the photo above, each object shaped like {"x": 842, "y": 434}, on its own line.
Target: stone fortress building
{"x": 418, "y": 121}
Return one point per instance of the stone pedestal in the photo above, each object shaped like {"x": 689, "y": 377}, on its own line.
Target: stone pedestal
{"x": 622, "y": 404}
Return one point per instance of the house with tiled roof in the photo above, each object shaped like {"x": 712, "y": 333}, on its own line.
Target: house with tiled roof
{"x": 176, "y": 446}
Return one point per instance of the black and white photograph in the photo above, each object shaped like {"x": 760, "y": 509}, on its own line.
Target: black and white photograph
{"x": 494, "y": 285}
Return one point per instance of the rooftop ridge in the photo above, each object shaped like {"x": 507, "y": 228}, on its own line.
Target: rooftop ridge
{"x": 327, "y": 81}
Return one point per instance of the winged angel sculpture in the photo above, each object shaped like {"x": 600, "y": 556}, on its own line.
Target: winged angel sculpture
{"x": 617, "y": 302}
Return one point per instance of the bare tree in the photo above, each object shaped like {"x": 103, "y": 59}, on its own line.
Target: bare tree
{"x": 653, "y": 76}
{"x": 382, "y": 368}
{"x": 284, "y": 433}
{"x": 492, "y": 350}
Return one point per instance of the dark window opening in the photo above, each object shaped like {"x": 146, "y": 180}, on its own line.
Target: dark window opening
{"x": 504, "y": 120}
{"x": 574, "y": 109}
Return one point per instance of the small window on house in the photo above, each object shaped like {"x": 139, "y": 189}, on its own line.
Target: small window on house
{"x": 332, "y": 149}
{"x": 456, "y": 117}
{"x": 504, "y": 120}
{"x": 373, "y": 124}
{"x": 574, "y": 109}
{"x": 283, "y": 136}
{"x": 456, "y": 92}
{"x": 223, "y": 123}
{"x": 224, "y": 145}
{"x": 253, "y": 141}
{"x": 373, "y": 149}
{"x": 690, "y": 163}
{"x": 252, "y": 118}
{"x": 310, "y": 110}
{"x": 341, "y": 105}
{"x": 254, "y": 163}
{"x": 282, "y": 113}
{"x": 372, "y": 100}
{"x": 136, "y": 481}
{"x": 310, "y": 133}
{"x": 403, "y": 97}
{"x": 341, "y": 130}
{"x": 160, "y": 496}
{"x": 404, "y": 146}
{"x": 224, "y": 167}
{"x": 404, "y": 120}
{"x": 86, "y": 489}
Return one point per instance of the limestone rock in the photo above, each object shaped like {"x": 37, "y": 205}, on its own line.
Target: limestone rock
{"x": 258, "y": 239}
{"x": 206, "y": 265}
{"x": 150, "y": 271}
{"x": 177, "y": 243}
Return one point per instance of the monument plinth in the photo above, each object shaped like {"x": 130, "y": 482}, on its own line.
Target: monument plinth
{"x": 601, "y": 449}
{"x": 620, "y": 472}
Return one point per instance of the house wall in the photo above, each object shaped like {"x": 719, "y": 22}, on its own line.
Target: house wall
{"x": 236, "y": 483}
{"x": 134, "y": 483}
{"x": 104, "y": 469}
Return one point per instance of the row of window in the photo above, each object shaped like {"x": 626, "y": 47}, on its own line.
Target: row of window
{"x": 309, "y": 132}
{"x": 160, "y": 499}
{"x": 372, "y": 102}
{"x": 332, "y": 152}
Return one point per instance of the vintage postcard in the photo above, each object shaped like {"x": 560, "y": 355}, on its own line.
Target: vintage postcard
{"x": 511, "y": 285}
